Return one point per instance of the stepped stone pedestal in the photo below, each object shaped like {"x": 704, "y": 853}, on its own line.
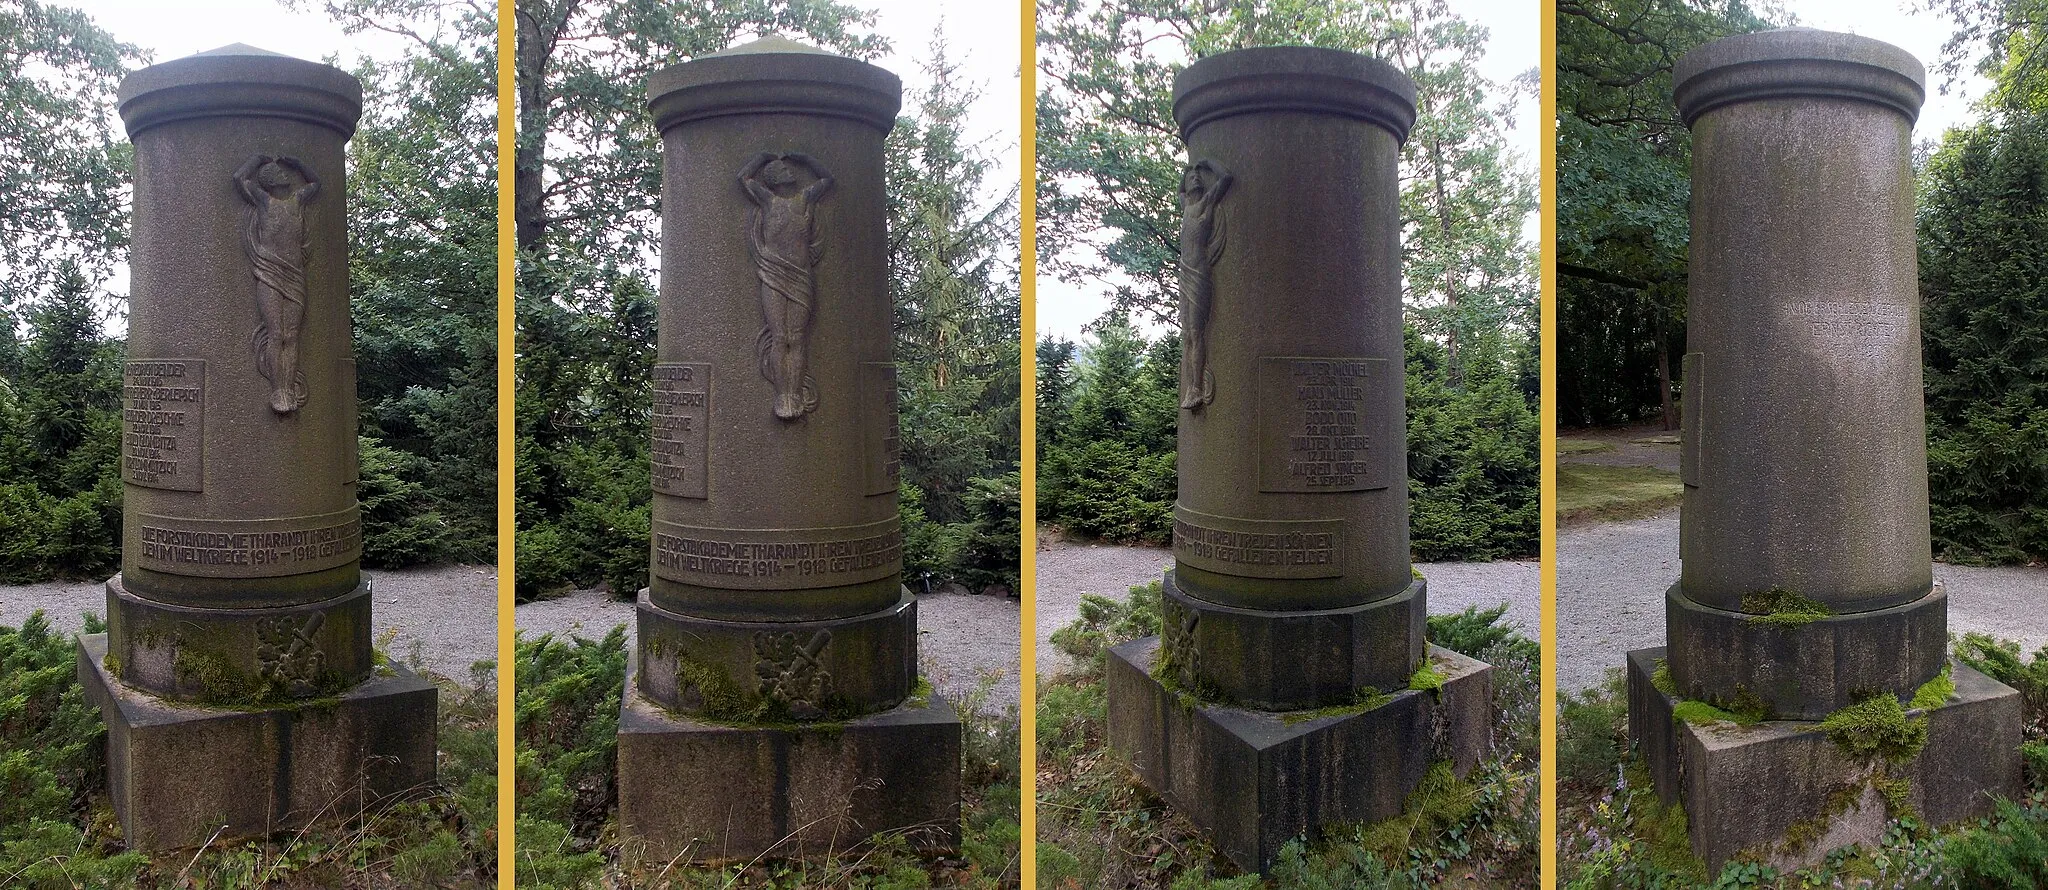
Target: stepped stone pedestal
{"x": 773, "y": 708}
{"x": 236, "y": 678}
{"x": 1807, "y": 580}
{"x": 1277, "y": 700}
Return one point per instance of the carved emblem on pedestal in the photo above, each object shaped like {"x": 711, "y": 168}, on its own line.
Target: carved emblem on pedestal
{"x": 1201, "y": 243}
{"x": 287, "y": 657}
{"x": 782, "y": 237}
{"x": 791, "y": 673}
{"x": 277, "y": 191}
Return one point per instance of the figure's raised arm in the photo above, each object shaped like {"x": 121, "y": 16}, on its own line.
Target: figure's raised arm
{"x": 817, "y": 189}
{"x": 755, "y": 189}
{"x": 1219, "y": 181}
{"x": 245, "y": 180}
{"x": 312, "y": 186}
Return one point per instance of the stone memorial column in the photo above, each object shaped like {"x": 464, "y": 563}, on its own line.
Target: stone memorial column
{"x": 774, "y": 707}
{"x": 236, "y": 676}
{"x": 1291, "y": 589}
{"x": 1807, "y": 584}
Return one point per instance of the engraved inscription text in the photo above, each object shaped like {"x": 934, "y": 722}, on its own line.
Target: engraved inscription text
{"x": 1315, "y": 429}
{"x": 777, "y": 558}
{"x": 162, "y": 423}
{"x": 681, "y": 421}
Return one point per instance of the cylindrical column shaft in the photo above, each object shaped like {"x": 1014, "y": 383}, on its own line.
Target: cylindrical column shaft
{"x": 1293, "y": 482}
{"x": 775, "y": 533}
{"x": 241, "y": 534}
{"x": 1807, "y": 578}
{"x": 1292, "y": 518}
{"x": 1805, "y": 455}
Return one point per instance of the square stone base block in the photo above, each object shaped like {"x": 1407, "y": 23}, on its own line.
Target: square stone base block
{"x": 183, "y": 774}
{"x": 702, "y": 792}
{"x": 1745, "y": 788}
{"x": 1256, "y": 779}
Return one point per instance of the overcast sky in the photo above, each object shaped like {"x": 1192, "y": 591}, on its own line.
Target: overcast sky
{"x": 1512, "y": 48}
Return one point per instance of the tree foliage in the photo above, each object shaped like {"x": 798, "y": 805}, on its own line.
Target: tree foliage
{"x": 1982, "y": 217}
{"x": 1623, "y": 180}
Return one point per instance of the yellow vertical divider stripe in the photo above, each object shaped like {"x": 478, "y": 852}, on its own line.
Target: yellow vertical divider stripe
{"x": 1027, "y": 631}
{"x": 507, "y": 784}
{"x": 1547, "y": 432}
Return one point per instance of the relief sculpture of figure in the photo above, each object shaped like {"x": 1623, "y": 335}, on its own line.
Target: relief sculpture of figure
{"x": 1201, "y": 243}
{"x": 781, "y": 233}
{"x": 274, "y": 236}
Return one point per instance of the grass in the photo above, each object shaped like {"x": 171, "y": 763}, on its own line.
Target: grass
{"x": 58, "y": 832}
{"x": 1098, "y": 827}
{"x": 1582, "y": 446}
{"x": 567, "y": 717}
{"x": 1597, "y": 492}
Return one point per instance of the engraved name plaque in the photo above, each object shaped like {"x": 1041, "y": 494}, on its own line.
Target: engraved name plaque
{"x": 1316, "y": 432}
{"x": 1259, "y": 548}
{"x": 163, "y": 423}
{"x": 777, "y": 558}
{"x": 246, "y": 548}
{"x": 682, "y": 423}
{"x": 881, "y": 435}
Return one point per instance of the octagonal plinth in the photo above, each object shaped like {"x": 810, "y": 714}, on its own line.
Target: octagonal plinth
{"x": 816, "y": 670}
{"x": 1286, "y": 661}
{"x": 1256, "y": 779}
{"x": 239, "y": 656}
{"x": 1808, "y": 670}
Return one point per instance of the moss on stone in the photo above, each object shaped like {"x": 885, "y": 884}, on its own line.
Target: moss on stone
{"x": 1439, "y": 801}
{"x": 1427, "y": 677}
{"x": 1699, "y": 713}
{"x": 920, "y": 693}
{"x": 1877, "y": 727}
{"x": 1365, "y": 699}
{"x": 1896, "y": 792}
{"x": 1414, "y": 572}
{"x": 723, "y": 699}
{"x": 1936, "y": 692}
{"x": 1780, "y": 607}
{"x": 218, "y": 680}
{"x": 1803, "y": 834}
{"x": 113, "y": 665}
{"x": 1660, "y": 679}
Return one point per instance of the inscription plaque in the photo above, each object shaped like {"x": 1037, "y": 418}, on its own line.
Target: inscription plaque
{"x": 777, "y": 558}
{"x": 1259, "y": 548}
{"x": 881, "y": 433}
{"x": 1316, "y": 432}
{"x": 247, "y": 548}
{"x": 682, "y": 423}
{"x": 163, "y": 423}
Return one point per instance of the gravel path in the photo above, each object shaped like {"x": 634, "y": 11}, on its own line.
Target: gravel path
{"x": 1068, "y": 570}
{"x": 443, "y": 617}
{"x": 1611, "y": 579}
{"x": 960, "y": 637}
